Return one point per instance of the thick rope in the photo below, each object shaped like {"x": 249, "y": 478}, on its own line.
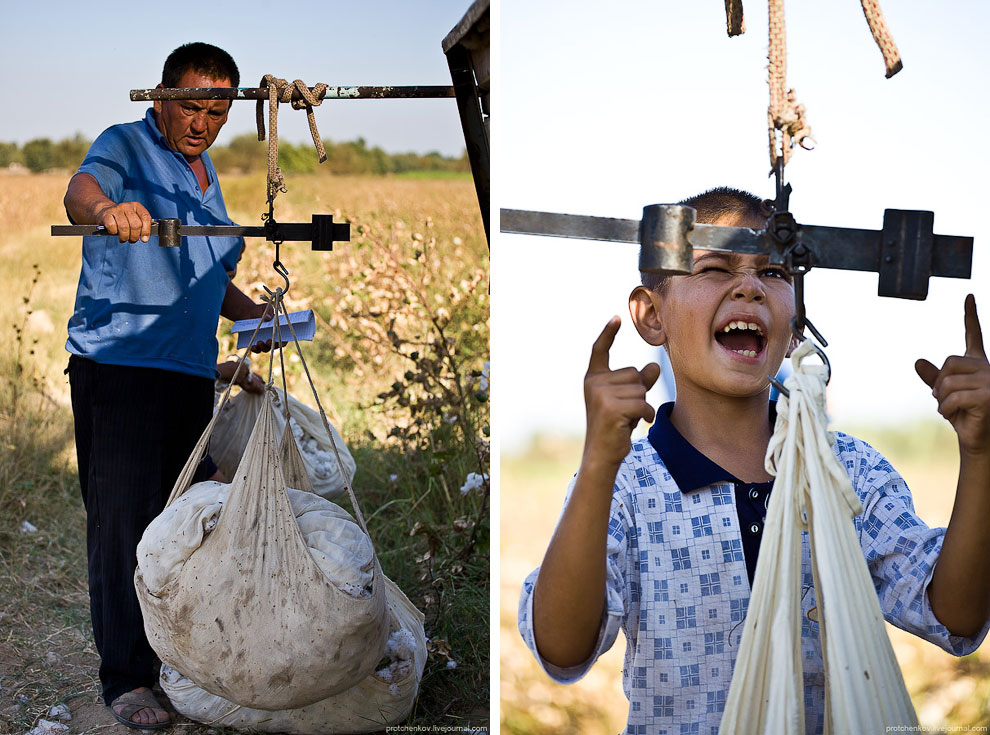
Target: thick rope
{"x": 878, "y": 27}
{"x": 784, "y": 114}
{"x": 280, "y": 90}
{"x": 735, "y": 25}
{"x": 864, "y": 689}
{"x": 326, "y": 426}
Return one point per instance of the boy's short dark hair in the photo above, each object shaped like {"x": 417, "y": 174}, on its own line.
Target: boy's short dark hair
{"x": 711, "y": 206}
{"x": 202, "y": 58}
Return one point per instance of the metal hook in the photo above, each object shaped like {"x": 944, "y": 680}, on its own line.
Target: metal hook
{"x": 783, "y": 191}
{"x": 816, "y": 344}
{"x": 280, "y": 268}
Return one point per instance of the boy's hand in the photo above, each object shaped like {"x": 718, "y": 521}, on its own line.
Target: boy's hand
{"x": 615, "y": 401}
{"x": 962, "y": 387}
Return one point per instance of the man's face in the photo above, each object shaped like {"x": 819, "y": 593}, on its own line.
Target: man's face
{"x": 191, "y": 126}
{"x": 727, "y": 325}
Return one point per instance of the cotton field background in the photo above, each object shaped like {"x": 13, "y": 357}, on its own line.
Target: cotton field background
{"x": 949, "y": 694}
{"x": 401, "y": 364}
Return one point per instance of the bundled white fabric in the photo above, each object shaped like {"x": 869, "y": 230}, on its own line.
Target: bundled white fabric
{"x": 381, "y": 699}
{"x": 865, "y": 691}
{"x": 341, "y": 549}
{"x": 237, "y": 419}
{"x": 249, "y": 614}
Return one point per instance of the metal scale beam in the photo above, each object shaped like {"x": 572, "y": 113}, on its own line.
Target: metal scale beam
{"x": 322, "y": 232}
{"x": 906, "y": 252}
{"x": 261, "y": 93}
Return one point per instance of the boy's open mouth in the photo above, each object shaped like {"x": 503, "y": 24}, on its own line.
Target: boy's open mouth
{"x": 742, "y": 337}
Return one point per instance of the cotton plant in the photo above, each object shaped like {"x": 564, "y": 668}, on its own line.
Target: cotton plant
{"x": 473, "y": 481}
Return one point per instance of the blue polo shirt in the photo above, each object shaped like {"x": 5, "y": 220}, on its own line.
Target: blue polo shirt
{"x": 137, "y": 303}
{"x": 692, "y": 470}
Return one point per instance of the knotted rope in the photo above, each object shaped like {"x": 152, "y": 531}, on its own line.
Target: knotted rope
{"x": 280, "y": 90}
{"x": 785, "y": 114}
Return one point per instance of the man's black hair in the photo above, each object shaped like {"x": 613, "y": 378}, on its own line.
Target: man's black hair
{"x": 202, "y": 58}
{"x": 711, "y": 206}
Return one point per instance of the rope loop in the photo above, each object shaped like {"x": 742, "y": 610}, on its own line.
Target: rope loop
{"x": 279, "y": 90}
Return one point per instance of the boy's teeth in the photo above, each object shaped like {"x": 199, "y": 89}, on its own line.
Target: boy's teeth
{"x": 745, "y": 353}
{"x": 742, "y": 325}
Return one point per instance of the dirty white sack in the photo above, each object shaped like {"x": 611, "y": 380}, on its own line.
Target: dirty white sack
{"x": 382, "y": 699}
{"x": 267, "y": 610}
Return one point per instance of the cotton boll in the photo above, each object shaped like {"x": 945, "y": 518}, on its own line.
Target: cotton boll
{"x": 399, "y": 649}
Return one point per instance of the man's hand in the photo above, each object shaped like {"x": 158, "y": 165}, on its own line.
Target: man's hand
{"x": 86, "y": 204}
{"x": 251, "y": 382}
{"x": 962, "y": 387}
{"x": 615, "y": 401}
{"x": 129, "y": 221}
{"x": 266, "y": 313}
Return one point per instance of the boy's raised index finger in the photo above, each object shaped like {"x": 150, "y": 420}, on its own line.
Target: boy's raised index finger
{"x": 599, "y": 350}
{"x": 974, "y": 335}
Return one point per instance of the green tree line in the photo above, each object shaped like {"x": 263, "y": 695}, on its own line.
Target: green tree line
{"x": 247, "y": 155}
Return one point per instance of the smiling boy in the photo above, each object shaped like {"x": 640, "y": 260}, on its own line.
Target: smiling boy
{"x": 660, "y": 536}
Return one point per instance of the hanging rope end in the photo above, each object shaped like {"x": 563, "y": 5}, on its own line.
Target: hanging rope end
{"x": 894, "y": 68}
{"x": 734, "y": 22}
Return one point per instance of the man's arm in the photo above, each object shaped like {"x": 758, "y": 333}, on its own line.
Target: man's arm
{"x": 570, "y": 591}
{"x": 237, "y": 305}
{"x": 959, "y": 592}
{"x": 87, "y": 204}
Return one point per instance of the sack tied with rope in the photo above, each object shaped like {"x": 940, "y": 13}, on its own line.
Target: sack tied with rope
{"x": 282, "y": 602}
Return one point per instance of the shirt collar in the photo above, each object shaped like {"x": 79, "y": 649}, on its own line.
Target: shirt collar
{"x": 152, "y": 126}
{"x": 689, "y": 468}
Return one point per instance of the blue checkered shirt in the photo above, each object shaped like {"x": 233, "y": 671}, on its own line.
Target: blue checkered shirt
{"x": 677, "y": 586}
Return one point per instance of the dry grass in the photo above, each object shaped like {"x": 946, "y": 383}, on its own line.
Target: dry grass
{"x": 46, "y": 653}
{"x": 949, "y": 694}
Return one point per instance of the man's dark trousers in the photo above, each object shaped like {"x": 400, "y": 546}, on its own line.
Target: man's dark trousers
{"x": 135, "y": 428}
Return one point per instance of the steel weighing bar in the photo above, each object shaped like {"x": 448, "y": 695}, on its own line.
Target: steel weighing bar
{"x": 905, "y": 252}
{"x": 261, "y": 93}
{"x": 322, "y": 231}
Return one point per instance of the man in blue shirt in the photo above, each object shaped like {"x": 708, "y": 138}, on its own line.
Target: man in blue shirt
{"x": 143, "y": 346}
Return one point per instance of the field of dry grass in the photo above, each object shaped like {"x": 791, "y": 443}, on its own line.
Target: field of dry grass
{"x": 408, "y": 296}
{"x": 949, "y": 694}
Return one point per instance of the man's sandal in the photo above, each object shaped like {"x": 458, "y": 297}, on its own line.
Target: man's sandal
{"x": 134, "y": 702}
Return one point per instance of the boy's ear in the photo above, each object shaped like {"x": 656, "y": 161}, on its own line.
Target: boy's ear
{"x": 644, "y": 308}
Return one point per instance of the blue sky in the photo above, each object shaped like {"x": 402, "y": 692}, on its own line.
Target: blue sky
{"x": 68, "y": 66}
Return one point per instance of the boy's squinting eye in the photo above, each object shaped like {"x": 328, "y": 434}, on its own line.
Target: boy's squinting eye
{"x": 775, "y": 272}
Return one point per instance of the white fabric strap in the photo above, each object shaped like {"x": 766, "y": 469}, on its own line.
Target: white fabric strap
{"x": 865, "y": 691}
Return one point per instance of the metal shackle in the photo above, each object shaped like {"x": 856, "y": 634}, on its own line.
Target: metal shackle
{"x": 168, "y": 233}
{"x": 663, "y": 239}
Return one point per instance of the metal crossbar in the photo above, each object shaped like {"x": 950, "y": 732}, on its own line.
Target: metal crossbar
{"x": 261, "y": 93}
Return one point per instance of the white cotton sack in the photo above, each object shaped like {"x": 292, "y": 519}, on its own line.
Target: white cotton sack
{"x": 341, "y": 549}
{"x": 382, "y": 699}
{"x": 236, "y": 421}
{"x": 247, "y": 611}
